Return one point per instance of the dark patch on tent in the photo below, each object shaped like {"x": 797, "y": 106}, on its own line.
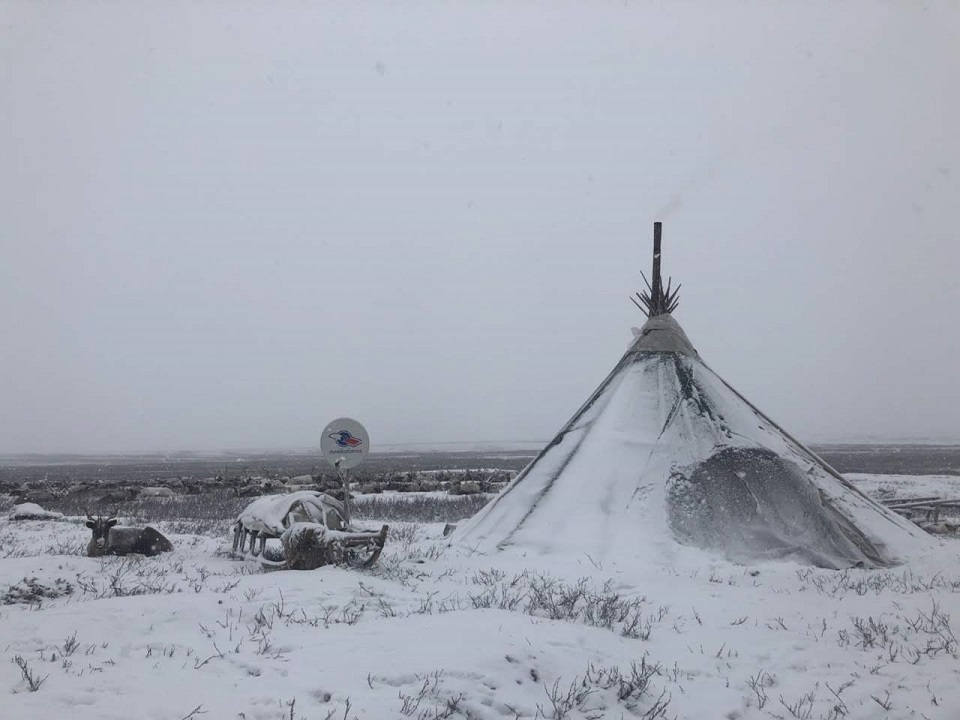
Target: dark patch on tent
{"x": 752, "y": 503}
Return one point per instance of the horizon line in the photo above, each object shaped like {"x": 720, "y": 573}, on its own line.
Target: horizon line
{"x": 387, "y": 448}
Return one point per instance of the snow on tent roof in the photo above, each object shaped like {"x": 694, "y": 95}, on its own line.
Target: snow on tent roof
{"x": 666, "y": 452}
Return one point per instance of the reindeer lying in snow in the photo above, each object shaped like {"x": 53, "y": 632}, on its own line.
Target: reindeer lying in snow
{"x": 110, "y": 540}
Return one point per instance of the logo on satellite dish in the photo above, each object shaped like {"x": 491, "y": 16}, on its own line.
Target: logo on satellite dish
{"x": 345, "y": 439}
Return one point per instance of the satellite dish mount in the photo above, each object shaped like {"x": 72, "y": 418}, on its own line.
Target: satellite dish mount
{"x": 345, "y": 444}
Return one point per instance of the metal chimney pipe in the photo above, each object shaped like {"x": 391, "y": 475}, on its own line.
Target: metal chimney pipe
{"x": 657, "y": 283}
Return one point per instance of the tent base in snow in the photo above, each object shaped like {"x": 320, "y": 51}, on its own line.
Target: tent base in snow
{"x": 666, "y": 454}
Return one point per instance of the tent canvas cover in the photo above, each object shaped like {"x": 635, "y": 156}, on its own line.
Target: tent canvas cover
{"x": 665, "y": 453}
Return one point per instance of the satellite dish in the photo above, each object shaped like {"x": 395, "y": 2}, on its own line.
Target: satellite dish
{"x": 344, "y": 443}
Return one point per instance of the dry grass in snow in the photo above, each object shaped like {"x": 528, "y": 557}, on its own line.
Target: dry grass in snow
{"x": 433, "y": 632}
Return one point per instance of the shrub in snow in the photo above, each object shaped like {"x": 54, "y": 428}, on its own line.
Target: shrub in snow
{"x": 419, "y": 508}
{"x": 32, "y": 591}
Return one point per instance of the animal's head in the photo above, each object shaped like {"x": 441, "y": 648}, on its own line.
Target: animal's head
{"x": 101, "y": 529}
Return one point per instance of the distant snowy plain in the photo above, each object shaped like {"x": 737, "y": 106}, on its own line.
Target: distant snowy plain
{"x": 438, "y": 632}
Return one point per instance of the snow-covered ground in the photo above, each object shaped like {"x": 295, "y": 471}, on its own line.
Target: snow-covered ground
{"x": 907, "y": 486}
{"x": 436, "y": 632}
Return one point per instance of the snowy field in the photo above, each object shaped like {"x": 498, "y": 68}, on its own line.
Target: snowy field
{"x": 437, "y": 632}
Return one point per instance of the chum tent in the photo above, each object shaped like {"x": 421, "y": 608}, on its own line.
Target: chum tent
{"x": 664, "y": 453}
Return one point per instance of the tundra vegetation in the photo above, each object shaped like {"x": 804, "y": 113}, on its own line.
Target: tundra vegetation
{"x": 434, "y": 632}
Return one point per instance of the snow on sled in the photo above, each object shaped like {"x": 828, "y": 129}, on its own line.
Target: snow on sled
{"x": 312, "y": 531}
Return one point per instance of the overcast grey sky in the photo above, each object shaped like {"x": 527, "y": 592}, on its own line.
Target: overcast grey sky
{"x": 224, "y": 224}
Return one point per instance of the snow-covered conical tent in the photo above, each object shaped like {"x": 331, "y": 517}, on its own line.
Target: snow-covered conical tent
{"x": 665, "y": 452}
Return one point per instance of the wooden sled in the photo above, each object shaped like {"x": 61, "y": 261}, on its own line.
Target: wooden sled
{"x": 312, "y": 532}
